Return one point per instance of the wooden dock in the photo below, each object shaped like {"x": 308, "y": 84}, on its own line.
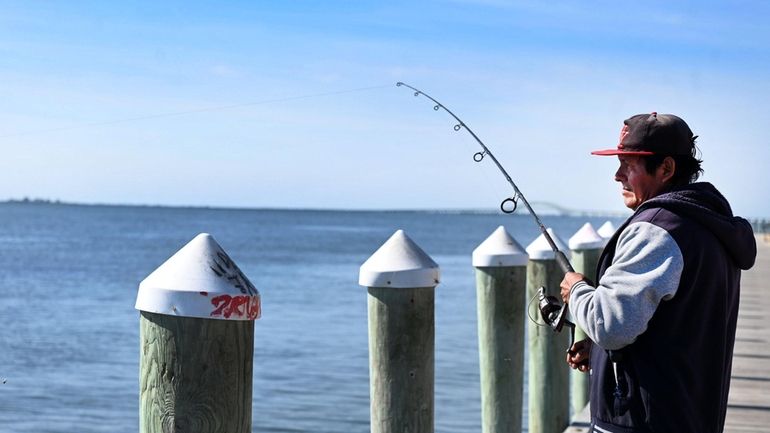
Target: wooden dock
{"x": 748, "y": 406}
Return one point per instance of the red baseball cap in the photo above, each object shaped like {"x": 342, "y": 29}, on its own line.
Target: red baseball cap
{"x": 653, "y": 134}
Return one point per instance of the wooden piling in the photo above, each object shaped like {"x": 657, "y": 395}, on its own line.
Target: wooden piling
{"x": 196, "y": 343}
{"x": 195, "y": 374}
{"x": 501, "y": 273}
{"x": 548, "y": 370}
{"x": 586, "y": 245}
{"x": 401, "y": 281}
{"x": 401, "y": 359}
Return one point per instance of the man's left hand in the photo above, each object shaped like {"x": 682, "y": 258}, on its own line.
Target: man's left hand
{"x": 570, "y": 278}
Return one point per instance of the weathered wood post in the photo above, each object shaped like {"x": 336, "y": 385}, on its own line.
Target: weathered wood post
{"x": 196, "y": 343}
{"x": 401, "y": 279}
{"x": 586, "y": 245}
{"x": 501, "y": 272}
{"x": 548, "y": 370}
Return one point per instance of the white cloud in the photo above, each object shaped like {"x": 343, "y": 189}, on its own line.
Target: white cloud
{"x": 225, "y": 71}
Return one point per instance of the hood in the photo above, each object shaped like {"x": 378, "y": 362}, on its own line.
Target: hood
{"x": 703, "y": 203}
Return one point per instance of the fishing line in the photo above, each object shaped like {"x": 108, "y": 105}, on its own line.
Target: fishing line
{"x": 199, "y": 110}
{"x": 529, "y": 310}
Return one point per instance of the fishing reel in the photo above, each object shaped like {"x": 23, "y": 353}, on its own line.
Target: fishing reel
{"x": 554, "y": 314}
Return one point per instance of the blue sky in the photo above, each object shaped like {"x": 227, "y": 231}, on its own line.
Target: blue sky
{"x": 294, "y": 104}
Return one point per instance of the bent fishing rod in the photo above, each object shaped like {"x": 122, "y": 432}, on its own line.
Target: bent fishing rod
{"x": 553, "y": 313}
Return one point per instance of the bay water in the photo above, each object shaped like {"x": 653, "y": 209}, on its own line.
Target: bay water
{"x": 69, "y": 333}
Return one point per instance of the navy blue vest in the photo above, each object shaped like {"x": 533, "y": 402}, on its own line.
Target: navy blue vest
{"x": 675, "y": 377}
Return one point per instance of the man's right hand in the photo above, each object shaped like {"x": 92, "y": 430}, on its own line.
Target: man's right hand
{"x": 579, "y": 354}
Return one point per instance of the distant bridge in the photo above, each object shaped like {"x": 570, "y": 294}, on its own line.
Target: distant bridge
{"x": 550, "y": 208}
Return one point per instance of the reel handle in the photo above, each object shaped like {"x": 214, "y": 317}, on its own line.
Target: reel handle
{"x": 571, "y": 337}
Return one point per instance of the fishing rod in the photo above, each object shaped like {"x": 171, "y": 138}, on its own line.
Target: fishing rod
{"x": 552, "y": 312}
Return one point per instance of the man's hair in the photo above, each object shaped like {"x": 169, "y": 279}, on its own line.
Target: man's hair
{"x": 688, "y": 168}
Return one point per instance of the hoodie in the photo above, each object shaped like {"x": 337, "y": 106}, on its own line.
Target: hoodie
{"x": 664, "y": 312}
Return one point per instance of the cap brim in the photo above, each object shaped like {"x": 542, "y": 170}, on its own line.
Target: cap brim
{"x": 611, "y": 152}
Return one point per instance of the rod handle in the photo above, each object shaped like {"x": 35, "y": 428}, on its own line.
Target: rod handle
{"x": 563, "y": 262}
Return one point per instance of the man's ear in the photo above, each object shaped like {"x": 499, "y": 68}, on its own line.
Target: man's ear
{"x": 667, "y": 169}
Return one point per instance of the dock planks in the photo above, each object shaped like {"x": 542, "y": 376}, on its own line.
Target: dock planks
{"x": 748, "y": 406}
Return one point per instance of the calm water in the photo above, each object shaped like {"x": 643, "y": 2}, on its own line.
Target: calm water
{"x": 69, "y": 338}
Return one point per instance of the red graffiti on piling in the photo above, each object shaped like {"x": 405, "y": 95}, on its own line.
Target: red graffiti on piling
{"x": 235, "y": 306}
{"x": 242, "y": 306}
{"x": 255, "y": 307}
{"x": 220, "y": 302}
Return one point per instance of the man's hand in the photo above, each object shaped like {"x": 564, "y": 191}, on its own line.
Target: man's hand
{"x": 570, "y": 278}
{"x": 579, "y": 354}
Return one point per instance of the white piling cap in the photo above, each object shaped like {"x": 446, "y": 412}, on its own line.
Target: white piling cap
{"x": 539, "y": 249}
{"x": 586, "y": 239}
{"x": 606, "y": 230}
{"x": 499, "y": 250}
{"x": 400, "y": 263}
{"x": 200, "y": 280}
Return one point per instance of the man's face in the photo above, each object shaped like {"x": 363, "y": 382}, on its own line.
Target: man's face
{"x": 638, "y": 185}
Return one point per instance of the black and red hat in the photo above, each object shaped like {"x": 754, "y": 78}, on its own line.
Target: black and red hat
{"x": 653, "y": 134}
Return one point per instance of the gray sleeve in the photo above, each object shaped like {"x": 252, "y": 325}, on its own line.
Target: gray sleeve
{"x": 646, "y": 270}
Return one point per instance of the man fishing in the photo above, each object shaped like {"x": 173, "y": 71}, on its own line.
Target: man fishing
{"x": 661, "y": 320}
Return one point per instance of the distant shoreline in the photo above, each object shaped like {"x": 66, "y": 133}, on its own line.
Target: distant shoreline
{"x": 43, "y": 202}
{"x": 491, "y": 211}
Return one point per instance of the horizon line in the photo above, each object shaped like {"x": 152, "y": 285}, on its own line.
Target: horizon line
{"x": 478, "y": 211}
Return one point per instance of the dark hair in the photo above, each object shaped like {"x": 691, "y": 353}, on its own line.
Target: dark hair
{"x": 687, "y": 169}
